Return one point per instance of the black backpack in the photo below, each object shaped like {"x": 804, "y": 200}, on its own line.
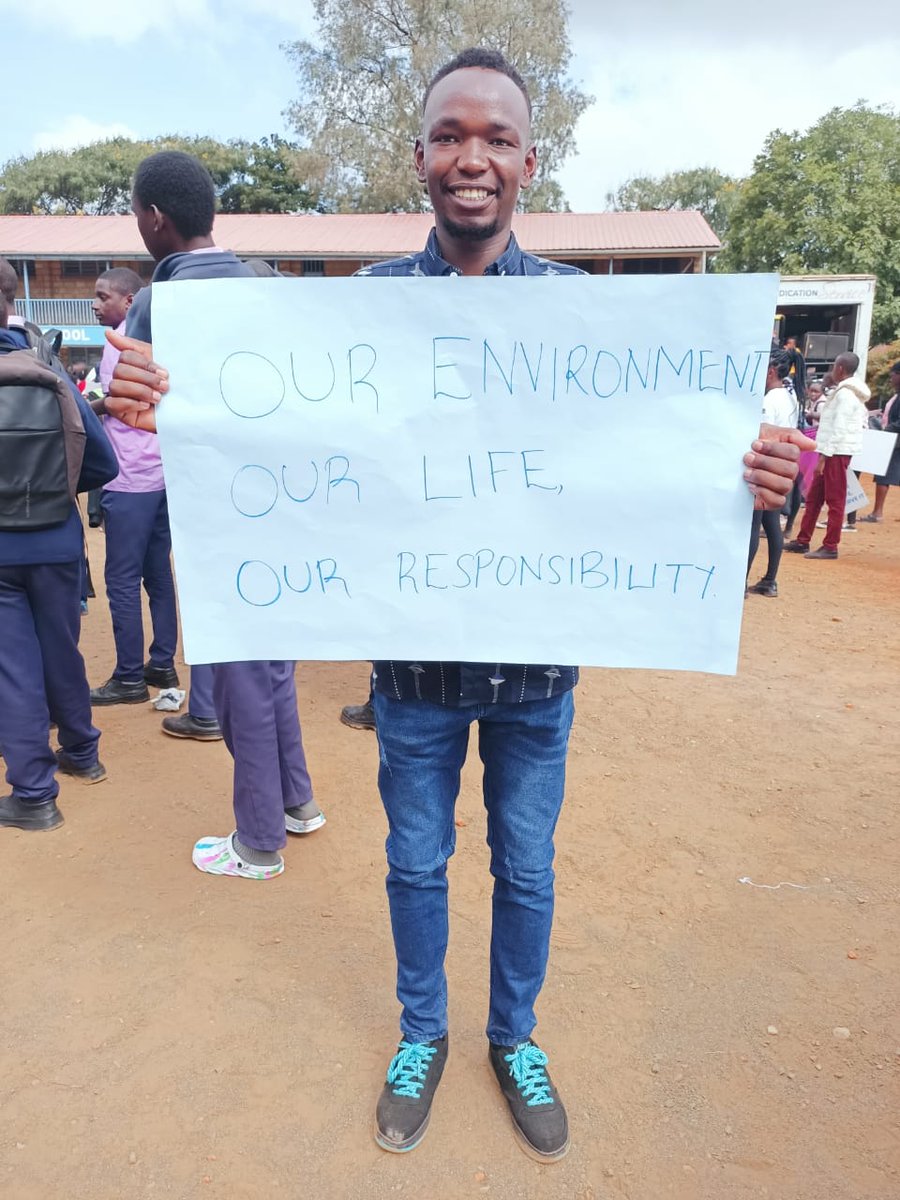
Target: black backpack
{"x": 42, "y": 440}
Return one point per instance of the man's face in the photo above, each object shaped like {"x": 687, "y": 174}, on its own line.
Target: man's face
{"x": 110, "y": 306}
{"x": 475, "y": 152}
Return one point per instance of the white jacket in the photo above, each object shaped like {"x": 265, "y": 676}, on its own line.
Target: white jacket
{"x": 844, "y": 417}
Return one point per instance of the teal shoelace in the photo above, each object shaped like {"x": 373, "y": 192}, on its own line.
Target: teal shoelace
{"x": 409, "y": 1067}
{"x": 526, "y": 1065}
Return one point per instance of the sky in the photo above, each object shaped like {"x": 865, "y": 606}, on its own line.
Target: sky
{"x": 677, "y": 83}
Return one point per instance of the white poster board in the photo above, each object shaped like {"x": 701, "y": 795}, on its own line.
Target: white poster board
{"x": 494, "y": 469}
{"x": 856, "y": 497}
{"x": 876, "y": 452}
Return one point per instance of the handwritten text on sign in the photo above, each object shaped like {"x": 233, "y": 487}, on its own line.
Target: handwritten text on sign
{"x": 497, "y": 469}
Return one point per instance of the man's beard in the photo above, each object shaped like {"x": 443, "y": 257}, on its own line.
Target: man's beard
{"x": 471, "y": 233}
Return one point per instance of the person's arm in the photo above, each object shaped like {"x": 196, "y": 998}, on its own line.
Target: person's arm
{"x": 99, "y": 465}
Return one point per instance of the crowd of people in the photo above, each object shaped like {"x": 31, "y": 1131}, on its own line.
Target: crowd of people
{"x": 474, "y": 156}
{"x": 835, "y": 411}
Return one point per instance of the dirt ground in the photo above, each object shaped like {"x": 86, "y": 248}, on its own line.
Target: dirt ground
{"x": 727, "y": 899}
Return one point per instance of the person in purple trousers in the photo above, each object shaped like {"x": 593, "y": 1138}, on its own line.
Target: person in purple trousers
{"x": 254, "y": 703}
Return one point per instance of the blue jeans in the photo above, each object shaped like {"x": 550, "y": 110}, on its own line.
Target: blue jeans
{"x": 422, "y": 750}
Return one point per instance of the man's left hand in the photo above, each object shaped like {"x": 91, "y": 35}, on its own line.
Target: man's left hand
{"x": 772, "y": 464}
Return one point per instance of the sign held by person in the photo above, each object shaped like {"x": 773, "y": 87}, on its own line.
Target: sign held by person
{"x": 441, "y": 471}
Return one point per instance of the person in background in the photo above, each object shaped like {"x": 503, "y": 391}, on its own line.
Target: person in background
{"x": 839, "y": 438}
{"x": 253, "y": 705}
{"x": 781, "y": 409}
{"x": 797, "y": 372}
{"x": 113, "y": 294}
{"x": 815, "y": 399}
{"x": 890, "y": 423}
{"x": 78, "y": 372}
{"x": 42, "y": 675}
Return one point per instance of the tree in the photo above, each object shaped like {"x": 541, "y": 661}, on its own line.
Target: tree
{"x": 249, "y": 176}
{"x": 361, "y": 90}
{"x": 826, "y": 201}
{"x": 703, "y": 188}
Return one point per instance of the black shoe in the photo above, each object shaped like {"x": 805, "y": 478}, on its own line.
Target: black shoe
{"x": 404, "y": 1106}
{"x": 95, "y": 773}
{"x": 797, "y": 547}
{"x": 359, "y": 716}
{"x": 117, "y": 691}
{"x": 537, "y": 1112}
{"x": 201, "y": 729}
{"x": 765, "y": 587}
{"x": 822, "y": 552}
{"x": 18, "y": 814}
{"x": 161, "y": 677}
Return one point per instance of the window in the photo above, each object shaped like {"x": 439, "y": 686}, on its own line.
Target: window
{"x": 314, "y": 266}
{"x": 79, "y": 267}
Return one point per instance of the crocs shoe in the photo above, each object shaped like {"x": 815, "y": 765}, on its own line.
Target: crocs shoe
{"x": 217, "y": 856}
{"x": 305, "y": 818}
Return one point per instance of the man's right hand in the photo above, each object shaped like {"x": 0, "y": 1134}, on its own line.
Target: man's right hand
{"x": 137, "y": 384}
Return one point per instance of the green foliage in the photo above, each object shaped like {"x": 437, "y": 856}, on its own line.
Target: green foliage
{"x": 96, "y": 180}
{"x": 878, "y": 369}
{"x": 361, "y": 89}
{"x": 826, "y": 201}
{"x": 703, "y": 188}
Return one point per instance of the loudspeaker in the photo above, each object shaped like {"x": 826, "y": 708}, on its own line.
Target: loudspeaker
{"x": 825, "y": 347}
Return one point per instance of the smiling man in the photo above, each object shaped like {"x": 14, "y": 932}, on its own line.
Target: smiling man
{"x": 474, "y": 154}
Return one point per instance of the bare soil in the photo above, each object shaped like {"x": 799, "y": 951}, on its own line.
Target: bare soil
{"x": 727, "y": 868}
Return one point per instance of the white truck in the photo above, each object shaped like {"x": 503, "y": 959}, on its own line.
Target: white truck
{"x": 827, "y": 314}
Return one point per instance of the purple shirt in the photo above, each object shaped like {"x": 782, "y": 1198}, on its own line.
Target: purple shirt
{"x": 140, "y": 464}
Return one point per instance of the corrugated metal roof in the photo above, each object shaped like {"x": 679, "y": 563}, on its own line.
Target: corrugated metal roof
{"x": 364, "y": 235}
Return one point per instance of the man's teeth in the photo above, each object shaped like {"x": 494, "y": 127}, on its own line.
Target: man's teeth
{"x": 472, "y": 193}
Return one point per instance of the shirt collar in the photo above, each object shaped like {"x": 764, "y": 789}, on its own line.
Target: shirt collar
{"x": 509, "y": 262}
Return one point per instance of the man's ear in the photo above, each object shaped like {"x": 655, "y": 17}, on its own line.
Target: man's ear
{"x": 419, "y": 160}
{"x": 529, "y": 167}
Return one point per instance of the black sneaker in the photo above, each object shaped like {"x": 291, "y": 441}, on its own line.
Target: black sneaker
{"x": 118, "y": 691}
{"x": 537, "y": 1112}
{"x": 34, "y": 818}
{"x": 404, "y": 1106}
{"x": 358, "y": 716}
{"x": 95, "y": 773}
{"x": 161, "y": 677}
{"x": 797, "y": 547}
{"x": 765, "y": 587}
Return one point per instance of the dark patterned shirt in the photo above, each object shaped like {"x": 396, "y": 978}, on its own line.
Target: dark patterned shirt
{"x": 455, "y": 683}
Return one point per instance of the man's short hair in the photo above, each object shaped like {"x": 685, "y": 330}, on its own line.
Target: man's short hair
{"x": 849, "y": 361}
{"x": 181, "y": 187}
{"x": 486, "y": 60}
{"x": 895, "y": 369}
{"x": 123, "y": 280}
{"x": 9, "y": 282}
